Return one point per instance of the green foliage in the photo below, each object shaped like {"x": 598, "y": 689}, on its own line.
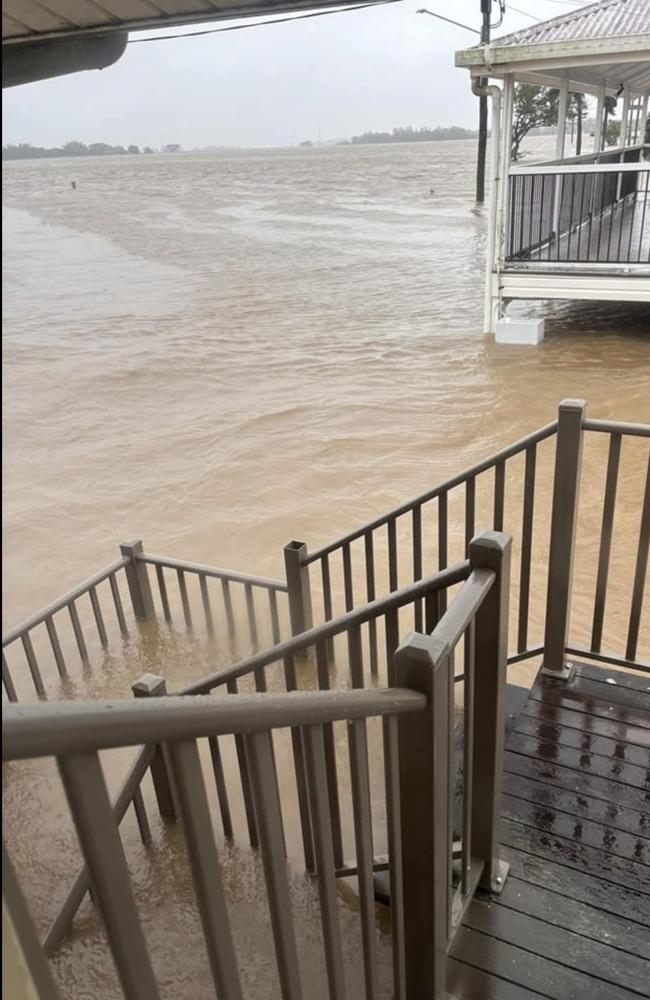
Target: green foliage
{"x": 25, "y": 151}
{"x": 410, "y": 134}
{"x": 612, "y": 132}
{"x": 534, "y": 107}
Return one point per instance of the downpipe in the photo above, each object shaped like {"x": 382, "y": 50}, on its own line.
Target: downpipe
{"x": 495, "y": 95}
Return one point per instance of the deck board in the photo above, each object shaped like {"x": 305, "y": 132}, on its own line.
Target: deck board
{"x": 573, "y": 919}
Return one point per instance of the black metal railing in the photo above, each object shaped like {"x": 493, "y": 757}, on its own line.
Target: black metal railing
{"x": 581, "y": 213}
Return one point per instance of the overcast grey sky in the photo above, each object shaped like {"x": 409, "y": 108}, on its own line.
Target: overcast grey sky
{"x": 275, "y": 85}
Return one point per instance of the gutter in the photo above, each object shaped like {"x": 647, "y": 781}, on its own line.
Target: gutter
{"x": 494, "y": 93}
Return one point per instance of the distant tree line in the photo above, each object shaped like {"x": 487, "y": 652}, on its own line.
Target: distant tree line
{"x": 410, "y": 134}
{"x": 25, "y": 151}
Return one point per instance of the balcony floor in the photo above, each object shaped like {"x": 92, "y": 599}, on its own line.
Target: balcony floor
{"x": 618, "y": 238}
{"x": 573, "y": 920}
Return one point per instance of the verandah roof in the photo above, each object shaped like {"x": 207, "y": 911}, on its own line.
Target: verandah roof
{"x": 605, "y": 44}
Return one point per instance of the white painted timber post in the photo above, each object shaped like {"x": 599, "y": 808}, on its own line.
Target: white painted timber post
{"x": 560, "y": 143}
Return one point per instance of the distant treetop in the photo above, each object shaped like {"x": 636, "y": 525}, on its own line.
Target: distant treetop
{"x": 410, "y": 134}
{"x": 25, "y": 151}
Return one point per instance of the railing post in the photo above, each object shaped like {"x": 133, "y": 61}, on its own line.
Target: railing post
{"x": 421, "y": 663}
{"x": 568, "y": 462}
{"x": 138, "y": 581}
{"x": 299, "y": 588}
{"x": 490, "y": 550}
{"x": 152, "y": 686}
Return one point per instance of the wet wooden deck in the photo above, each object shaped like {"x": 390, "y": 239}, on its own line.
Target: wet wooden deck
{"x": 573, "y": 920}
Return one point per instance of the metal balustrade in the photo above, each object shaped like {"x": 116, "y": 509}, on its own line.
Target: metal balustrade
{"x": 580, "y": 212}
{"x": 418, "y": 761}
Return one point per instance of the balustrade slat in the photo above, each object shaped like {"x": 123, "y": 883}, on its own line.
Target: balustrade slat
{"x": 394, "y": 837}
{"x": 327, "y": 598}
{"x": 416, "y": 530}
{"x": 347, "y": 577}
{"x": 205, "y": 867}
{"x": 329, "y": 743}
{"x": 205, "y": 599}
{"x": 185, "y": 601}
{"x": 324, "y": 854}
{"x": 227, "y": 603}
{"x": 220, "y": 785}
{"x": 162, "y": 587}
{"x": 99, "y": 618}
{"x": 361, "y": 807}
{"x": 244, "y": 777}
{"x": 275, "y": 618}
{"x": 393, "y": 583}
{"x": 443, "y": 535}
{"x": 370, "y": 595}
{"x": 140, "y": 811}
{"x": 499, "y": 494}
{"x": 526, "y": 547}
{"x": 56, "y": 648}
{"x": 300, "y": 769}
{"x": 468, "y": 754}
{"x": 117, "y": 603}
{"x": 252, "y": 619}
{"x": 639, "y": 574}
{"x": 78, "y": 631}
{"x": 23, "y": 925}
{"x": 98, "y": 835}
{"x": 271, "y": 833}
{"x": 609, "y": 503}
{"x": 470, "y": 511}
{"x": 8, "y": 681}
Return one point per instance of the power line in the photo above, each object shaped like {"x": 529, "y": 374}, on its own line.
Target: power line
{"x": 524, "y": 12}
{"x": 258, "y": 24}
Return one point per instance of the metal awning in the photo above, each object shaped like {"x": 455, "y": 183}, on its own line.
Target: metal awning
{"x": 46, "y": 38}
{"x": 606, "y": 44}
{"x": 36, "y": 20}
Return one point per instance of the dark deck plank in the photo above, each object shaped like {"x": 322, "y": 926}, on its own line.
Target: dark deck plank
{"x": 587, "y": 784}
{"x": 617, "y": 730}
{"x": 571, "y": 697}
{"x": 583, "y": 886}
{"x": 473, "y": 984}
{"x": 581, "y": 918}
{"x": 588, "y": 742}
{"x": 581, "y": 831}
{"x": 531, "y": 971}
{"x": 580, "y": 760}
{"x": 566, "y": 851}
{"x": 578, "y": 804}
{"x": 565, "y": 947}
{"x": 623, "y": 678}
{"x": 615, "y": 694}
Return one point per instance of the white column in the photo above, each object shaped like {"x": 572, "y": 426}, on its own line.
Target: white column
{"x": 598, "y": 131}
{"x": 643, "y": 119}
{"x": 623, "y": 137}
{"x": 562, "y": 108}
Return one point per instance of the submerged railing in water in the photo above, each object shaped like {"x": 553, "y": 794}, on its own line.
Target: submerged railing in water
{"x": 245, "y": 613}
{"x": 426, "y": 907}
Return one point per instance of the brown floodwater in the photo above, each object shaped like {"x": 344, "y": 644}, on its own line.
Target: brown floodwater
{"x": 219, "y": 353}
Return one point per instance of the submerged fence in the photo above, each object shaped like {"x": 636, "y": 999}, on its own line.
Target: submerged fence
{"x": 427, "y": 902}
{"x": 234, "y": 613}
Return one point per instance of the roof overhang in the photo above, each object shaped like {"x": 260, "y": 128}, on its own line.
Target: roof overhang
{"x": 588, "y": 64}
{"x": 45, "y": 38}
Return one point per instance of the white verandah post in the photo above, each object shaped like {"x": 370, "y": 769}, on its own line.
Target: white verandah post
{"x": 560, "y": 144}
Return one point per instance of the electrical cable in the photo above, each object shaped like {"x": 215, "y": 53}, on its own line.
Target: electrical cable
{"x": 258, "y": 24}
